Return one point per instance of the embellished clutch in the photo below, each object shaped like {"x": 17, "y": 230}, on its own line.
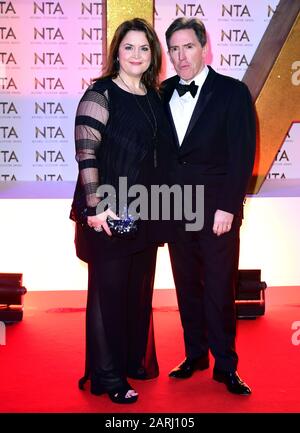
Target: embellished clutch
{"x": 125, "y": 228}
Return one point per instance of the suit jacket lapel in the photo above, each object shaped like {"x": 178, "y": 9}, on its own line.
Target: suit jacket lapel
{"x": 167, "y": 95}
{"x": 204, "y": 97}
{"x": 169, "y": 112}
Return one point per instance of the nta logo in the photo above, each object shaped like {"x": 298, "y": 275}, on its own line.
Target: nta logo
{"x": 7, "y": 132}
{"x": 94, "y": 8}
{"x": 6, "y": 33}
{"x": 49, "y": 156}
{"x": 48, "y": 108}
{"x": 7, "y": 83}
{"x": 50, "y": 8}
{"x": 190, "y": 10}
{"x": 93, "y": 33}
{"x": 7, "y": 156}
{"x": 234, "y": 35}
{"x": 7, "y": 58}
{"x": 7, "y": 108}
{"x": 235, "y": 10}
{"x": 91, "y": 58}
{"x": 49, "y": 132}
{"x": 234, "y": 60}
{"x": 48, "y": 59}
{"x": 48, "y": 177}
{"x": 7, "y": 8}
{"x": 48, "y": 33}
{"x": 48, "y": 83}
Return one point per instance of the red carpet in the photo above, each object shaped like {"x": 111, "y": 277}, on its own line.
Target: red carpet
{"x": 44, "y": 356}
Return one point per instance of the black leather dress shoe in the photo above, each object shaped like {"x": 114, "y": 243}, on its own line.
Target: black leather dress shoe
{"x": 233, "y": 382}
{"x": 188, "y": 366}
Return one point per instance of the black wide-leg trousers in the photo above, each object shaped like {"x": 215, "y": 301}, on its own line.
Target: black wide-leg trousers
{"x": 119, "y": 326}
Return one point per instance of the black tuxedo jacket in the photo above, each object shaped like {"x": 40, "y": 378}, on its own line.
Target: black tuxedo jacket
{"x": 220, "y": 139}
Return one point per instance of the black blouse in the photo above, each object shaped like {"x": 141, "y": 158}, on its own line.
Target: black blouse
{"x": 114, "y": 132}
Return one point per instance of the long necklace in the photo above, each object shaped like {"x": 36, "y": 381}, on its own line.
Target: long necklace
{"x": 153, "y": 125}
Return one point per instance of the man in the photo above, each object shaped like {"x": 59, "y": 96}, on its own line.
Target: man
{"x": 214, "y": 128}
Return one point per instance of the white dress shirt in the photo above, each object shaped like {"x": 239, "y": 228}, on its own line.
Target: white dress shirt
{"x": 182, "y": 107}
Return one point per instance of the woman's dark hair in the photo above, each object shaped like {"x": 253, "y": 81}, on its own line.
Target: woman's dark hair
{"x": 150, "y": 77}
{"x": 186, "y": 23}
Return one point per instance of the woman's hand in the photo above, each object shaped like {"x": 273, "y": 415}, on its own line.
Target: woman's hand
{"x": 98, "y": 222}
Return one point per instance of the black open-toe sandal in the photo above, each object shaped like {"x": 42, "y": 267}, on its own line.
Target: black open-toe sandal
{"x": 119, "y": 395}
{"x": 116, "y": 396}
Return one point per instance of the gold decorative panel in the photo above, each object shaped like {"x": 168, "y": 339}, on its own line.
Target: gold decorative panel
{"x": 122, "y": 10}
{"x": 278, "y": 104}
{"x": 273, "y": 78}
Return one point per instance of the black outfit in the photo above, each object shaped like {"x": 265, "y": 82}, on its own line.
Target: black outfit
{"x": 114, "y": 137}
{"x": 217, "y": 152}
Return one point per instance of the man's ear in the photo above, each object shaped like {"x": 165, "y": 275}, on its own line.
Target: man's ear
{"x": 204, "y": 50}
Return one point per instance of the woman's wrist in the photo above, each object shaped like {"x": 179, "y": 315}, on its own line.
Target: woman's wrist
{"x": 92, "y": 210}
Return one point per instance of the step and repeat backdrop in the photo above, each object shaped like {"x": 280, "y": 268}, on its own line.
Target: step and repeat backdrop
{"x": 50, "y": 51}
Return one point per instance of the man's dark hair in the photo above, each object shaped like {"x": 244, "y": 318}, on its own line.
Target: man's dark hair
{"x": 186, "y": 23}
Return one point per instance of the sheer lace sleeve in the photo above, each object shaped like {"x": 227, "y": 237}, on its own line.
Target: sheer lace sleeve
{"x": 91, "y": 117}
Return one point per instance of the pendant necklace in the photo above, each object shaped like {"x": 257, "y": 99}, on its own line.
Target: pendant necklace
{"x": 152, "y": 124}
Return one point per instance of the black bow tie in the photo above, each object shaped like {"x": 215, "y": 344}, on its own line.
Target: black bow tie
{"x": 183, "y": 88}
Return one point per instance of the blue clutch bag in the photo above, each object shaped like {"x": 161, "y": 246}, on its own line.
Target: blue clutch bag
{"x": 125, "y": 228}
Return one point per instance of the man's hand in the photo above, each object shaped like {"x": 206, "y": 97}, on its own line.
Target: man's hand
{"x": 222, "y": 222}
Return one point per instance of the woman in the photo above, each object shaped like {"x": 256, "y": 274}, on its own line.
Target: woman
{"x": 119, "y": 133}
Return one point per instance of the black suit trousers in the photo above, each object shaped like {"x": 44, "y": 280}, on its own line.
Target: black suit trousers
{"x": 205, "y": 272}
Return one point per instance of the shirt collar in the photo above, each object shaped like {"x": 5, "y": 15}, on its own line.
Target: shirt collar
{"x": 199, "y": 78}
